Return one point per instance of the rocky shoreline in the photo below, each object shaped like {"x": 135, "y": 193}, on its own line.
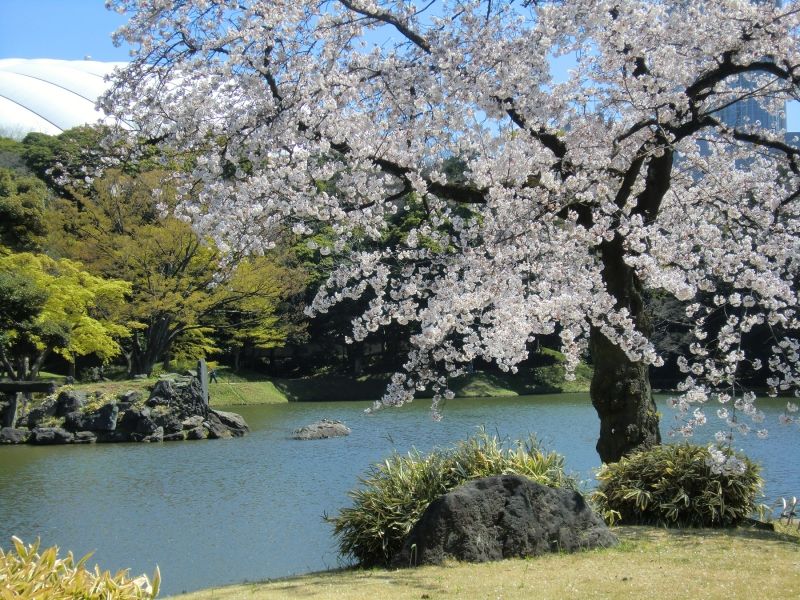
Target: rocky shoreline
{"x": 175, "y": 410}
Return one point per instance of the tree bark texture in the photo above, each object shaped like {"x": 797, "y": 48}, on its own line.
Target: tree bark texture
{"x": 620, "y": 388}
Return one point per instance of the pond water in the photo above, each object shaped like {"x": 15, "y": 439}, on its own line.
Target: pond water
{"x": 215, "y": 512}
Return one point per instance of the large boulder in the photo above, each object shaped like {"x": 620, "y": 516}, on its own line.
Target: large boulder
{"x": 51, "y": 435}
{"x": 326, "y": 428}
{"x": 85, "y": 437}
{"x": 102, "y": 419}
{"x": 10, "y": 435}
{"x": 128, "y": 399}
{"x": 156, "y": 436}
{"x": 137, "y": 420}
{"x": 502, "y": 517}
{"x": 216, "y": 429}
{"x": 184, "y": 396}
{"x": 168, "y": 420}
{"x": 69, "y": 401}
{"x": 192, "y": 422}
{"x": 234, "y": 422}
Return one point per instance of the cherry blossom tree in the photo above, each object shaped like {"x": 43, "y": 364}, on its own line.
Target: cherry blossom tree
{"x": 576, "y": 196}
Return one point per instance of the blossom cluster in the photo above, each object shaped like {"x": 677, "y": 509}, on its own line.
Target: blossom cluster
{"x": 345, "y": 113}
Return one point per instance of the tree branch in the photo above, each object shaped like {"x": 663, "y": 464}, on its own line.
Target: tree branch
{"x": 390, "y": 19}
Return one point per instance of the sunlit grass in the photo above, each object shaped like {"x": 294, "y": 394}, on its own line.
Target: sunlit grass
{"x": 649, "y": 563}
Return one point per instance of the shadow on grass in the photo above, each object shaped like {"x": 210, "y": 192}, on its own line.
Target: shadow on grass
{"x": 637, "y": 534}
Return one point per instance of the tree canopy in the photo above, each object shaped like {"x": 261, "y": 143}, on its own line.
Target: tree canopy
{"x": 576, "y": 196}
{"x": 183, "y": 288}
{"x": 49, "y": 305}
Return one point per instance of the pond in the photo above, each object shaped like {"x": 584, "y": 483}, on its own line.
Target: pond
{"x": 224, "y": 511}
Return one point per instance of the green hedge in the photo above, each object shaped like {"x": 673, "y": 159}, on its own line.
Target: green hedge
{"x": 675, "y": 485}
{"x": 394, "y": 494}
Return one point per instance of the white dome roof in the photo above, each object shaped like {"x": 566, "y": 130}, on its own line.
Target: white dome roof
{"x": 48, "y": 95}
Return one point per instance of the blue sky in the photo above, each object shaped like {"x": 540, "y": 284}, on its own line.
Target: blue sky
{"x": 68, "y": 29}
{"x": 75, "y": 29}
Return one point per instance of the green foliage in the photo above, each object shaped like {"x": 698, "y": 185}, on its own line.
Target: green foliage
{"x": 72, "y": 312}
{"x": 187, "y": 298}
{"x": 550, "y": 374}
{"x": 22, "y": 205}
{"x": 674, "y": 485}
{"x": 27, "y": 575}
{"x": 395, "y": 493}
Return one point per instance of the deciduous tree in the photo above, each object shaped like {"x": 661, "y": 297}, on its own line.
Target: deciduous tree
{"x": 183, "y": 288}
{"x": 577, "y": 195}
{"x": 54, "y": 306}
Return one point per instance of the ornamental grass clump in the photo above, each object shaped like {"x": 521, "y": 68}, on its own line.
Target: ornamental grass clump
{"x": 394, "y": 494}
{"x": 27, "y": 574}
{"x": 678, "y": 485}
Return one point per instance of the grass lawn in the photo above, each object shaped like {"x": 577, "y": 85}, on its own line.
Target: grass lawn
{"x": 648, "y": 563}
{"x": 250, "y": 388}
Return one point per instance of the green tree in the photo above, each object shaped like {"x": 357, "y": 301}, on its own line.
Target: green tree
{"x": 22, "y": 205}
{"x": 183, "y": 288}
{"x": 255, "y": 321}
{"x": 54, "y": 306}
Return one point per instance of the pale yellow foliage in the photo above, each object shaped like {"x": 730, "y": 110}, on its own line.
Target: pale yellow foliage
{"x": 26, "y": 574}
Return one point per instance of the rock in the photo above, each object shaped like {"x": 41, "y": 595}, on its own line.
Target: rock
{"x": 138, "y": 420}
{"x": 50, "y": 435}
{"x": 129, "y": 398}
{"x": 69, "y": 401}
{"x": 114, "y": 437}
{"x": 325, "y": 428}
{"x": 11, "y": 435}
{"x": 192, "y": 422}
{"x": 215, "y": 427}
{"x": 39, "y": 413}
{"x": 156, "y": 436}
{"x": 198, "y": 433}
{"x": 235, "y": 423}
{"x": 85, "y": 437}
{"x": 102, "y": 419}
{"x": 168, "y": 421}
{"x": 184, "y": 396}
{"x": 175, "y": 437}
{"x": 140, "y": 376}
{"x": 501, "y": 517}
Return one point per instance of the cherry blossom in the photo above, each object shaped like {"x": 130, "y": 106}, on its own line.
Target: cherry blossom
{"x": 576, "y": 197}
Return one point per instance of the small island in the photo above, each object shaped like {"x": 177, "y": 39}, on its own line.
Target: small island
{"x": 176, "y": 409}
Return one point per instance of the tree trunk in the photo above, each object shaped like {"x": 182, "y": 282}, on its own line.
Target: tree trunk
{"x": 237, "y": 355}
{"x": 147, "y": 352}
{"x": 620, "y": 389}
{"x": 622, "y": 396}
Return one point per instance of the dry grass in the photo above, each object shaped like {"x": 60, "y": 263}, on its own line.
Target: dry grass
{"x": 649, "y": 563}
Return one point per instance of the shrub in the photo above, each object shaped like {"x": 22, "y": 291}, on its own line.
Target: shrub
{"x": 26, "y": 574}
{"x": 675, "y": 485}
{"x": 394, "y": 494}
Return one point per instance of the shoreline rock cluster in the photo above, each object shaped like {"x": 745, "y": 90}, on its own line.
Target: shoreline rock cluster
{"x": 175, "y": 410}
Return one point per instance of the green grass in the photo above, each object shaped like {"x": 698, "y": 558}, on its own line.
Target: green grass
{"x": 724, "y": 564}
{"x": 251, "y": 388}
{"x": 245, "y": 393}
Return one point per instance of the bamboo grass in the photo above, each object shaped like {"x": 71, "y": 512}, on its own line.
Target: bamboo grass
{"x": 394, "y": 494}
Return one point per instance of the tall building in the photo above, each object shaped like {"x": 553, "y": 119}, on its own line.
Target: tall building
{"x": 751, "y": 111}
